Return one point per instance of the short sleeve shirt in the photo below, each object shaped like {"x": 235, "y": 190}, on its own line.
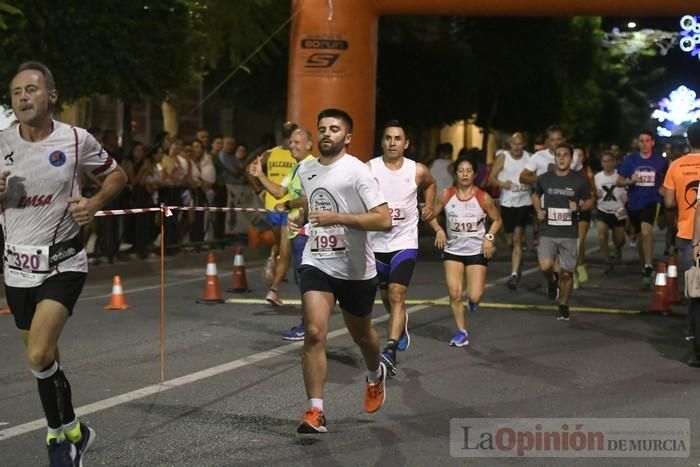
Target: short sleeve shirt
{"x": 555, "y": 192}
{"x": 43, "y": 175}
{"x": 345, "y": 186}
{"x": 650, "y": 173}
{"x": 682, "y": 177}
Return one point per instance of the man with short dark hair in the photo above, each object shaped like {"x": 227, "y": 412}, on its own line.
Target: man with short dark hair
{"x": 396, "y": 250}
{"x": 45, "y": 263}
{"x": 559, "y": 196}
{"x": 344, "y": 203}
{"x": 642, "y": 172}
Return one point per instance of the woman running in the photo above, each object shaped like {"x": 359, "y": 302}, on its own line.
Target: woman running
{"x": 468, "y": 244}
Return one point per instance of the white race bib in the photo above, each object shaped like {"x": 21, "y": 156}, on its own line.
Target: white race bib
{"x": 464, "y": 227}
{"x": 327, "y": 242}
{"x": 397, "y": 213}
{"x": 559, "y": 216}
{"x": 519, "y": 188}
{"x": 27, "y": 264}
{"x": 646, "y": 178}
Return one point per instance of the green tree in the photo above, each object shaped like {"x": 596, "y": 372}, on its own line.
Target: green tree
{"x": 5, "y": 10}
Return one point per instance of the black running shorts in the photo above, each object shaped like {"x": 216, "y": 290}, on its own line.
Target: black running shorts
{"x": 646, "y": 215}
{"x": 515, "y": 217}
{"x": 473, "y": 260}
{"x": 64, "y": 287}
{"x": 395, "y": 267}
{"x": 355, "y": 297}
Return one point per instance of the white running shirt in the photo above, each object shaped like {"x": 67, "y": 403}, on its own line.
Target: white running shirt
{"x": 540, "y": 162}
{"x": 345, "y": 186}
{"x": 466, "y": 222}
{"x": 609, "y": 194}
{"x": 43, "y": 175}
{"x": 401, "y": 192}
{"x": 519, "y": 194}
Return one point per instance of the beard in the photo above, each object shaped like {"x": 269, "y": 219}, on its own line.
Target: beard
{"x": 332, "y": 150}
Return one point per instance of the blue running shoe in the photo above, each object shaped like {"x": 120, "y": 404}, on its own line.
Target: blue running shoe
{"x": 460, "y": 339}
{"x": 405, "y": 340}
{"x": 61, "y": 454}
{"x": 473, "y": 307}
{"x": 294, "y": 334}
{"x": 389, "y": 361}
{"x": 84, "y": 444}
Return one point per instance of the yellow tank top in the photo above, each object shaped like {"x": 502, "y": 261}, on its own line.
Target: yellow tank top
{"x": 279, "y": 164}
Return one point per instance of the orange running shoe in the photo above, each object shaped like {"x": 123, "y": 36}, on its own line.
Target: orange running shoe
{"x": 312, "y": 422}
{"x": 375, "y": 393}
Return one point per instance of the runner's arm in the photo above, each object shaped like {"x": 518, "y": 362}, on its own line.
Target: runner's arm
{"x": 376, "y": 219}
{"x": 528, "y": 176}
{"x": 495, "y": 170}
{"x": 427, "y": 183}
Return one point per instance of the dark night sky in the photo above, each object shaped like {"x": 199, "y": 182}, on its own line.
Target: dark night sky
{"x": 681, "y": 67}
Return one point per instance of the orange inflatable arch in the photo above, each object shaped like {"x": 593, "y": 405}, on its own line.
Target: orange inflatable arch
{"x": 333, "y": 47}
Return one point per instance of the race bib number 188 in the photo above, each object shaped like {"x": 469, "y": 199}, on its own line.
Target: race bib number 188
{"x": 559, "y": 216}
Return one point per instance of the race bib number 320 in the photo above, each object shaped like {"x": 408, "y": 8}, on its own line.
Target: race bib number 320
{"x": 327, "y": 242}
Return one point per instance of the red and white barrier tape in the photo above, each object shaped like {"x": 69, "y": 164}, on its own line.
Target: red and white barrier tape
{"x": 167, "y": 210}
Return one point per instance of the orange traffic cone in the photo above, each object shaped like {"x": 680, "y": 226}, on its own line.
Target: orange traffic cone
{"x": 212, "y": 291}
{"x": 117, "y": 302}
{"x": 660, "y": 302}
{"x": 5, "y": 311}
{"x": 239, "y": 282}
{"x": 674, "y": 295}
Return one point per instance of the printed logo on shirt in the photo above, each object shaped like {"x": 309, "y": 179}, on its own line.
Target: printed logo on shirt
{"x": 309, "y": 178}
{"x": 691, "y": 194}
{"x": 9, "y": 158}
{"x": 34, "y": 201}
{"x": 322, "y": 200}
{"x": 57, "y": 158}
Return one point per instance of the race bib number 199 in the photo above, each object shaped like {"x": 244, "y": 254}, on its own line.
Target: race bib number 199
{"x": 327, "y": 242}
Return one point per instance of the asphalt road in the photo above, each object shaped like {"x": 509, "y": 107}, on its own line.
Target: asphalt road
{"x": 234, "y": 390}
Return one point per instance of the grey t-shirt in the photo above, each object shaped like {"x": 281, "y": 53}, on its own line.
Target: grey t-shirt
{"x": 555, "y": 192}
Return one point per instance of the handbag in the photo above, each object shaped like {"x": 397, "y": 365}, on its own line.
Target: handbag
{"x": 692, "y": 280}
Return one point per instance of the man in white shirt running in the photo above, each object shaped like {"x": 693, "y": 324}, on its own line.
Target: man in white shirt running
{"x": 396, "y": 251}
{"x": 45, "y": 264}
{"x": 515, "y": 201}
{"x": 344, "y": 203}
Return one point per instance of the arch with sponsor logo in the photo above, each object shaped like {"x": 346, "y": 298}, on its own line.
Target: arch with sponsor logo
{"x": 333, "y": 47}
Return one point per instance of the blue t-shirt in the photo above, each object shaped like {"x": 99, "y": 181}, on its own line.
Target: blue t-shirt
{"x": 650, "y": 175}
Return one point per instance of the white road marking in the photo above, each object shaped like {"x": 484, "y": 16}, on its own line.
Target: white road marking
{"x": 203, "y": 374}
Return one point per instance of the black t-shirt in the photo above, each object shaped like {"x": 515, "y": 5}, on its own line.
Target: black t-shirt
{"x": 556, "y": 191}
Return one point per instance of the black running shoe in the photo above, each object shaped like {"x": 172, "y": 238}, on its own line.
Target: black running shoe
{"x": 563, "y": 313}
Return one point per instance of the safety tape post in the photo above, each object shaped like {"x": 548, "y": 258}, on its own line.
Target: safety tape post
{"x": 167, "y": 210}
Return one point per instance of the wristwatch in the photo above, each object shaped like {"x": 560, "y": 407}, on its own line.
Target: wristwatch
{"x": 489, "y": 237}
